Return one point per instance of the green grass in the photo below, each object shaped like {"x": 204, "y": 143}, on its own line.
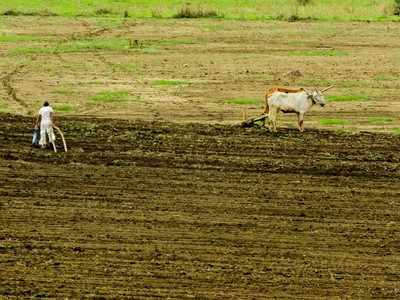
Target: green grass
{"x": 3, "y": 107}
{"x": 386, "y": 77}
{"x": 344, "y": 131}
{"x": 170, "y": 82}
{"x": 172, "y": 42}
{"x": 243, "y": 101}
{"x": 110, "y": 44}
{"x": 231, "y": 9}
{"x": 334, "y": 122}
{"x": 380, "y": 120}
{"x": 113, "y": 97}
{"x": 12, "y": 38}
{"x": 84, "y": 45}
{"x": 347, "y": 98}
{"x": 64, "y": 107}
{"x": 396, "y": 131}
{"x": 316, "y": 53}
{"x": 149, "y": 50}
{"x": 125, "y": 68}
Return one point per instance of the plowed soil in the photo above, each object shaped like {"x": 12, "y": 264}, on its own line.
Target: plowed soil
{"x": 145, "y": 210}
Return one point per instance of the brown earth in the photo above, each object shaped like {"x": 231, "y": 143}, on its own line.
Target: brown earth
{"x": 70, "y": 60}
{"x": 146, "y": 210}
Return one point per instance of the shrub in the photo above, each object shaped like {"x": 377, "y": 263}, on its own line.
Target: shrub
{"x": 293, "y": 18}
{"x": 188, "y": 11}
{"x": 41, "y": 13}
{"x": 103, "y": 11}
{"x": 396, "y": 10}
{"x": 304, "y": 2}
{"x": 11, "y": 12}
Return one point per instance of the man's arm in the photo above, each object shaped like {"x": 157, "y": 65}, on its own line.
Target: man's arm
{"x": 37, "y": 121}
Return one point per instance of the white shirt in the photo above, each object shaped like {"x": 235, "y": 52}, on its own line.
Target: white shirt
{"x": 45, "y": 113}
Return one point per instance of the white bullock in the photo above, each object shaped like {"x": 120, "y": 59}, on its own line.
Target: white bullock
{"x": 299, "y": 103}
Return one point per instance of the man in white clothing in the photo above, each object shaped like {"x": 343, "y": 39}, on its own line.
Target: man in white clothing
{"x": 46, "y": 120}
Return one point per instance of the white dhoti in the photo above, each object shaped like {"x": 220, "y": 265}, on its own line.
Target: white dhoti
{"x": 46, "y": 131}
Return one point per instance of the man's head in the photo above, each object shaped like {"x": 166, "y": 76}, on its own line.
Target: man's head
{"x": 46, "y": 103}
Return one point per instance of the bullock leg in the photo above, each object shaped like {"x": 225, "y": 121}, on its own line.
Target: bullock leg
{"x": 300, "y": 117}
{"x": 298, "y": 121}
{"x": 269, "y": 121}
{"x": 266, "y": 109}
{"x": 273, "y": 116}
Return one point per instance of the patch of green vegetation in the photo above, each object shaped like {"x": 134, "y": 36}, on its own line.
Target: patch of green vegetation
{"x": 396, "y": 131}
{"x": 243, "y": 101}
{"x": 171, "y": 82}
{"x": 3, "y": 107}
{"x": 11, "y": 38}
{"x": 188, "y": 11}
{"x": 111, "y": 96}
{"x": 40, "y": 12}
{"x": 114, "y": 97}
{"x": 65, "y": 91}
{"x": 125, "y": 68}
{"x": 103, "y": 11}
{"x": 344, "y": 131}
{"x": 83, "y": 45}
{"x": 385, "y": 77}
{"x": 109, "y": 22}
{"x": 176, "y": 42}
{"x": 7, "y": 246}
{"x": 29, "y": 50}
{"x": 64, "y": 107}
{"x": 347, "y": 98}
{"x": 333, "y": 122}
{"x": 87, "y": 45}
{"x": 343, "y": 10}
{"x": 149, "y": 50}
{"x": 317, "y": 53}
{"x": 294, "y": 18}
{"x": 380, "y": 120}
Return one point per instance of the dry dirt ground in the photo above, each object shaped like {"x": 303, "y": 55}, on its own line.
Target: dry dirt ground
{"x": 69, "y": 61}
{"x": 145, "y": 210}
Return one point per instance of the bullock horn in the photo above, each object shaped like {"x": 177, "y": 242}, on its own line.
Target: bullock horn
{"x": 328, "y": 88}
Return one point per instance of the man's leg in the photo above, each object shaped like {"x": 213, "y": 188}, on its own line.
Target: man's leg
{"x": 52, "y": 137}
{"x": 43, "y": 138}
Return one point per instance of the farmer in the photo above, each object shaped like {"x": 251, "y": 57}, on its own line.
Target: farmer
{"x": 46, "y": 120}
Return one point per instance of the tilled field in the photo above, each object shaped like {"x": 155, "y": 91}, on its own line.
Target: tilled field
{"x": 159, "y": 210}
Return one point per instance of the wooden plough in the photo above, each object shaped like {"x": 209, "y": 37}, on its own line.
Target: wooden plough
{"x": 62, "y": 137}
{"x": 251, "y": 122}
